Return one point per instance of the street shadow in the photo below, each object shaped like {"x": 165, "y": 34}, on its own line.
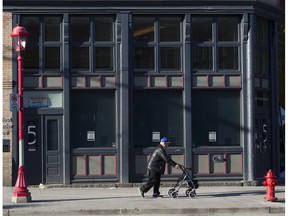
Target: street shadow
{"x": 238, "y": 193}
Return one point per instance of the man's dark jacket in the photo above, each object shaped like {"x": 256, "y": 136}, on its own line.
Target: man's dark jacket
{"x": 158, "y": 160}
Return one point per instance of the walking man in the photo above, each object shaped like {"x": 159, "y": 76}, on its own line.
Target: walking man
{"x": 156, "y": 168}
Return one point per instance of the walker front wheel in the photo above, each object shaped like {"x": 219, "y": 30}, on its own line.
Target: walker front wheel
{"x": 171, "y": 191}
{"x": 174, "y": 194}
{"x": 192, "y": 194}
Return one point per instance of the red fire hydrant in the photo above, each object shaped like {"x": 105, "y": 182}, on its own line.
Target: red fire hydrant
{"x": 270, "y": 184}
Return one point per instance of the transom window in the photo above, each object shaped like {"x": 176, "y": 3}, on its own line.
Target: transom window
{"x": 44, "y": 47}
{"x": 92, "y": 43}
{"x": 215, "y": 44}
{"x": 157, "y": 43}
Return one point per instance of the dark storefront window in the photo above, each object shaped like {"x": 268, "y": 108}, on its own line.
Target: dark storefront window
{"x": 52, "y": 58}
{"x": 157, "y": 43}
{"x": 261, "y": 46}
{"x": 216, "y": 118}
{"x": 215, "y": 44}
{"x": 228, "y": 58}
{"x": 202, "y": 29}
{"x": 52, "y": 28}
{"x": 44, "y": 47}
{"x": 203, "y": 58}
{"x": 92, "y": 43}
{"x": 52, "y": 135}
{"x": 158, "y": 112}
{"x": 92, "y": 119}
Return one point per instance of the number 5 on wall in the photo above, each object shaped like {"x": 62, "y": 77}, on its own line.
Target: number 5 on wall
{"x": 32, "y": 138}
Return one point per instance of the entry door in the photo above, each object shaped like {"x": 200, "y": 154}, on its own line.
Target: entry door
{"x": 53, "y": 142}
{"x": 263, "y": 150}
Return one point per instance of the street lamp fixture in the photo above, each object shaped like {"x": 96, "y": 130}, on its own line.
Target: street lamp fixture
{"x": 20, "y": 193}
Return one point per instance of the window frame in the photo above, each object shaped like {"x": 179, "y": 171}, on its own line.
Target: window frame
{"x": 157, "y": 45}
{"x": 91, "y": 44}
{"x": 215, "y": 45}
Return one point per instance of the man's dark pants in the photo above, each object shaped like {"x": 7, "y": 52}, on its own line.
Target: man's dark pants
{"x": 154, "y": 180}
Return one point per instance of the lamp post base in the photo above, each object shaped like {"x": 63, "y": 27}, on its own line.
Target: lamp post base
{"x": 21, "y": 194}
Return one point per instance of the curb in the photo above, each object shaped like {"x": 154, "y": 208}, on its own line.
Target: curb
{"x": 138, "y": 211}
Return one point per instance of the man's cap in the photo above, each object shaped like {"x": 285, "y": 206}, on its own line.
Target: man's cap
{"x": 165, "y": 140}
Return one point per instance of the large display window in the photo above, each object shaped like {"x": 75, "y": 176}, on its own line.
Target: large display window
{"x": 216, "y": 118}
{"x": 157, "y": 114}
{"x": 92, "y": 119}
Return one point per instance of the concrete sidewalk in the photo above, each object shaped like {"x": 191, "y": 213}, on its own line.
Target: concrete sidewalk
{"x": 126, "y": 200}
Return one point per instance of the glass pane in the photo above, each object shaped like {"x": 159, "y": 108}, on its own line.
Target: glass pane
{"x": 32, "y": 26}
{"x": 80, "y": 28}
{"x": 52, "y": 135}
{"x": 143, "y": 28}
{"x": 104, "y": 29}
{"x": 52, "y": 28}
{"x": 144, "y": 58}
{"x": 170, "y": 29}
{"x": 202, "y": 58}
{"x": 80, "y": 57}
{"x": 157, "y": 111}
{"x": 228, "y": 28}
{"x": 202, "y": 29}
{"x": 31, "y": 57}
{"x": 170, "y": 58}
{"x": 228, "y": 58}
{"x": 52, "y": 57}
{"x": 104, "y": 58}
{"x": 92, "y": 119}
{"x": 223, "y": 115}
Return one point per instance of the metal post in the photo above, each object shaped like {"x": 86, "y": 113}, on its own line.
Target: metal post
{"x": 21, "y": 194}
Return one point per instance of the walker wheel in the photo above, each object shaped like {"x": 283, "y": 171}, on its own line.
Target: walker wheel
{"x": 188, "y": 191}
{"x": 192, "y": 194}
{"x": 174, "y": 194}
{"x": 170, "y": 191}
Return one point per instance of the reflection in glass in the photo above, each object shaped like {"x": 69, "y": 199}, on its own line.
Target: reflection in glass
{"x": 80, "y": 28}
{"x": 104, "y": 29}
{"x": 202, "y": 29}
{"x": 228, "y": 28}
{"x": 52, "y": 57}
{"x": 228, "y": 58}
{"x": 80, "y": 57}
{"x": 170, "y": 29}
{"x": 144, "y": 58}
{"x": 143, "y": 28}
{"x": 104, "y": 58}
{"x": 52, "y": 28}
{"x": 202, "y": 58}
{"x": 170, "y": 58}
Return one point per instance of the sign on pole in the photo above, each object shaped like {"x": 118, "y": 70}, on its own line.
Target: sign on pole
{"x": 14, "y": 102}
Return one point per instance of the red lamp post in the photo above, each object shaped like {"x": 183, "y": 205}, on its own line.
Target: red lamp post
{"x": 20, "y": 193}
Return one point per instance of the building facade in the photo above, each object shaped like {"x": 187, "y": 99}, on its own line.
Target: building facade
{"x": 105, "y": 80}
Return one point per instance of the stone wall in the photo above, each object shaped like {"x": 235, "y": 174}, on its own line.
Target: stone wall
{"x": 7, "y": 90}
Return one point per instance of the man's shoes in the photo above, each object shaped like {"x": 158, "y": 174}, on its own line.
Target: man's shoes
{"x": 141, "y": 193}
{"x": 156, "y": 195}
